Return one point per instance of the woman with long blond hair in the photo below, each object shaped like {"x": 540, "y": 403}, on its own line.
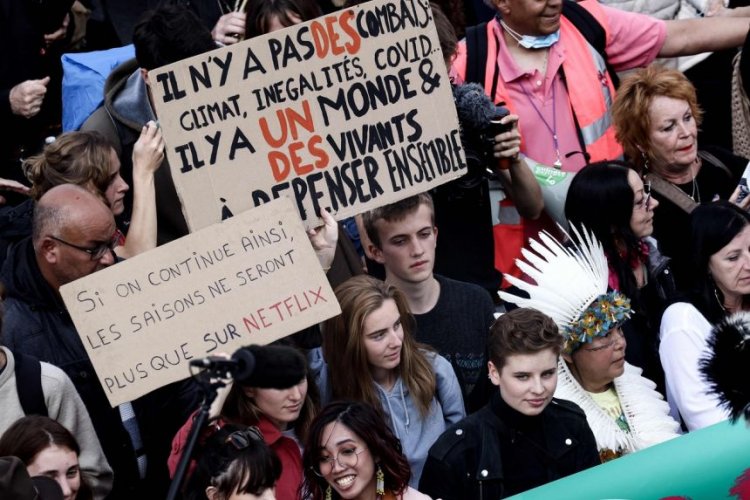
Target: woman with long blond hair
{"x": 372, "y": 357}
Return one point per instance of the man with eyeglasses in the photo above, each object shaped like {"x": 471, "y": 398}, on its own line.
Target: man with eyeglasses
{"x": 73, "y": 236}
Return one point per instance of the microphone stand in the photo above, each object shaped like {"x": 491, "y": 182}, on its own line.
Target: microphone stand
{"x": 210, "y": 390}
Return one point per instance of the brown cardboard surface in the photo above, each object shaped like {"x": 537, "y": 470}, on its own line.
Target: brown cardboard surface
{"x": 348, "y": 112}
{"x": 248, "y": 280}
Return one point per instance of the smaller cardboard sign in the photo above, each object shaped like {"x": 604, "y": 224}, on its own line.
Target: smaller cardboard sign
{"x": 251, "y": 279}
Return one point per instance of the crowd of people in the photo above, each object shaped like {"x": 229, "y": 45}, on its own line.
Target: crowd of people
{"x": 515, "y": 353}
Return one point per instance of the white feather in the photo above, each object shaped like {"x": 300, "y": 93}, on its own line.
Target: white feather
{"x": 566, "y": 279}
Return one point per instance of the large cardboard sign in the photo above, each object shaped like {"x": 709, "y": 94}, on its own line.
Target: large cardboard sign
{"x": 249, "y": 280}
{"x": 348, "y": 112}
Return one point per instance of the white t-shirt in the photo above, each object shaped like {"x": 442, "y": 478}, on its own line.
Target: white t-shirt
{"x": 684, "y": 335}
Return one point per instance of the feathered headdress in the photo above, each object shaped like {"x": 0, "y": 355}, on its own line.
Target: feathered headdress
{"x": 571, "y": 287}
{"x": 727, "y": 367}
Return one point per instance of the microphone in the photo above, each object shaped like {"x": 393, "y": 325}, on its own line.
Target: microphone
{"x": 477, "y": 111}
{"x": 240, "y": 366}
{"x": 475, "y": 108}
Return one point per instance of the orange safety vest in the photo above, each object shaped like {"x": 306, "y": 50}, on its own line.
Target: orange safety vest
{"x": 591, "y": 94}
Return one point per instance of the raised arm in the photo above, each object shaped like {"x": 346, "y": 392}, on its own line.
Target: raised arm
{"x": 707, "y": 34}
{"x": 148, "y": 155}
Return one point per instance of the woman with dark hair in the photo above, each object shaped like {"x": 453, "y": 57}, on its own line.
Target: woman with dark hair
{"x": 275, "y": 398}
{"x": 47, "y": 449}
{"x": 372, "y": 356}
{"x": 720, "y": 253}
{"x": 350, "y": 453}
{"x": 613, "y": 202}
{"x": 235, "y": 464}
{"x": 266, "y": 16}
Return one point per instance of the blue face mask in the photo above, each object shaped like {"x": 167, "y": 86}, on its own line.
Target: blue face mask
{"x": 539, "y": 42}
{"x": 533, "y": 42}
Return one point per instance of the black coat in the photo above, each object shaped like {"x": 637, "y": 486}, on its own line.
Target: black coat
{"x": 23, "y": 24}
{"x": 487, "y": 457}
{"x": 37, "y": 323}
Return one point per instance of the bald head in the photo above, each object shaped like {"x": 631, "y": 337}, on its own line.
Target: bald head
{"x": 66, "y": 205}
{"x": 70, "y": 223}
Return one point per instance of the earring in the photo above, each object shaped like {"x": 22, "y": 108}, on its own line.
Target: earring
{"x": 645, "y": 160}
{"x": 329, "y": 493}
{"x": 380, "y": 482}
{"x": 721, "y": 303}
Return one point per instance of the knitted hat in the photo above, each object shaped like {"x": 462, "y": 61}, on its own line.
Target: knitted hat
{"x": 276, "y": 367}
{"x": 571, "y": 287}
{"x": 726, "y": 367}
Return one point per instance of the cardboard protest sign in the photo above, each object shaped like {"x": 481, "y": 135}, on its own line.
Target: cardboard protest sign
{"x": 249, "y": 280}
{"x": 348, "y": 112}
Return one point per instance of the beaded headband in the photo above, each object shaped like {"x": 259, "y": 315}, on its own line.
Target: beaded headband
{"x": 570, "y": 285}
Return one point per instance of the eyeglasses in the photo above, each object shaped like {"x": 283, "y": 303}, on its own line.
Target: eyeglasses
{"x": 617, "y": 335}
{"x": 99, "y": 250}
{"x": 646, "y": 201}
{"x": 242, "y": 439}
{"x": 346, "y": 457}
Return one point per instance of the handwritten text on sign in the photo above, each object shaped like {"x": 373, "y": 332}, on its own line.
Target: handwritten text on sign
{"x": 249, "y": 280}
{"x": 348, "y": 112}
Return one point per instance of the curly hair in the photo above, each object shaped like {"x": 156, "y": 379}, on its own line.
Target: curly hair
{"x": 367, "y": 423}
{"x": 630, "y": 111}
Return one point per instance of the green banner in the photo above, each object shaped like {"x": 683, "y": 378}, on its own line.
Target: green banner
{"x": 709, "y": 464}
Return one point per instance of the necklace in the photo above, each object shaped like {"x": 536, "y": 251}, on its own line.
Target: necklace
{"x": 553, "y": 128}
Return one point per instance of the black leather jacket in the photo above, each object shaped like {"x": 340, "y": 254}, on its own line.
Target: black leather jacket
{"x": 484, "y": 458}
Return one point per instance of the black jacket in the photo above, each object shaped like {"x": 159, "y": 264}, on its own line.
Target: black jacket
{"x": 37, "y": 323}
{"x": 23, "y": 24}
{"x": 487, "y": 457}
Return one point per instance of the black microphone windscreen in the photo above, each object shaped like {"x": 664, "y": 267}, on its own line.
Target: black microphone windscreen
{"x": 245, "y": 364}
{"x": 474, "y": 107}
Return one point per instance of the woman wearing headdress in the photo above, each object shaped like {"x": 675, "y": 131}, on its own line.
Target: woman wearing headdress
{"x": 622, "y": 407}
{"x": 613, "y": 202}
